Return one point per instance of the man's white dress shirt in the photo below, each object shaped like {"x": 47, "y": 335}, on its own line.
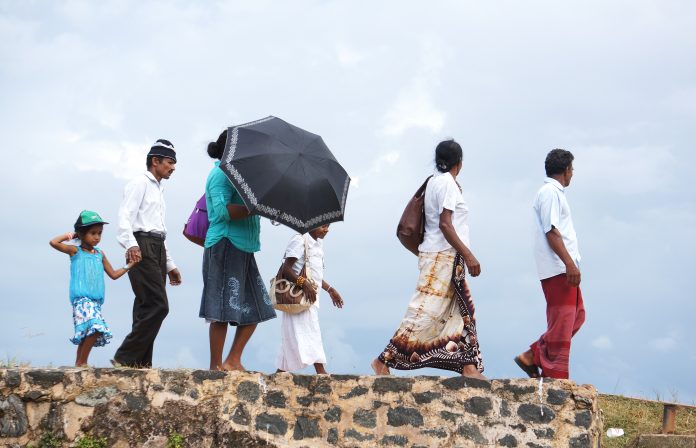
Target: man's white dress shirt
{"x": 142, "y": 210}
{"x": 551, "y": 209}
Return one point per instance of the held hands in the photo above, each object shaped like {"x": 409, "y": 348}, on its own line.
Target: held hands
{"x": 335, "y": 298}
{"x": 133, "y": 255}
{"x": 573, "y": 274}
{"x": 472, "y": 265}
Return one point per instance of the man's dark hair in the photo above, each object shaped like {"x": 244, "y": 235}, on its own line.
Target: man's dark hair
{"x": 557, "y": 161}
{"x": 148, "y": 161}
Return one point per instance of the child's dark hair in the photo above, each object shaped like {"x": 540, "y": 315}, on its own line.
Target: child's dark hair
{"x": 448, "y": 154}
{"x": 215, "y": 149}
{"x": 82, "y": 230}
{"x": 557, "y": 161}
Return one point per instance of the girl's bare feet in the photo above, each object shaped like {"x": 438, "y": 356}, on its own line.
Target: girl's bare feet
{"x": 379, "y": 367}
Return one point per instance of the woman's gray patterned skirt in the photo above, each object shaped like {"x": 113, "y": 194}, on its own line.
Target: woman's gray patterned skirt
{"x": 233, "y": 290}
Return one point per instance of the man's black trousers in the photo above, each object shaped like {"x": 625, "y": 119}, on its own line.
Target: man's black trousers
{"x": 148, "y": 280}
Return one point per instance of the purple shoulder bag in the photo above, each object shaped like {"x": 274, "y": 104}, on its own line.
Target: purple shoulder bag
{"x": 197, "y": 225}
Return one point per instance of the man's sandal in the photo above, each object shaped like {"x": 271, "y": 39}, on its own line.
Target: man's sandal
{"x": 532, "y": 370}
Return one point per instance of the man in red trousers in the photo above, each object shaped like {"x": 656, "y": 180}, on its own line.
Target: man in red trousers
{"x": 558, "y": 264}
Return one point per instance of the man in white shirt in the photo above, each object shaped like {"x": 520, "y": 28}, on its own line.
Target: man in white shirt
{"x": 142, "y": 232}
{"x": 558, "y": 265}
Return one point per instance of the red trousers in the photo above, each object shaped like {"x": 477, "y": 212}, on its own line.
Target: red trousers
{"x": 565, "y": 315}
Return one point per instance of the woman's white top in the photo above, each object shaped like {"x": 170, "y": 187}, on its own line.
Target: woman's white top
{"x": 315, "y": 251}
{"x": 442, "y": 193}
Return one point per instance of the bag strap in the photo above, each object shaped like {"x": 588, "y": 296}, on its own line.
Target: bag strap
{"x": 421, "y": 190}
{"x": 306, "y": 258}
{"x": 304, "y": 269}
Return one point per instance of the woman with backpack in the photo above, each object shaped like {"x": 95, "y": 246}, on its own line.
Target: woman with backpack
{"x": 439, "y": 328}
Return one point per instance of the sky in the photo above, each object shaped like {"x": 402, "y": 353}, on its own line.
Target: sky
{"x": 86, "y": 88}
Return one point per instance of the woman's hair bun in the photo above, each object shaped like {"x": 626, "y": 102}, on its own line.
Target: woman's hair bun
{"x": 215, "y": 149}
{"x": 448, "y": 154}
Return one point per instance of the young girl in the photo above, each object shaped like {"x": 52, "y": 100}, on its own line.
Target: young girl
{"x": 301, "y": 343}
{"x": 87, "y": 266}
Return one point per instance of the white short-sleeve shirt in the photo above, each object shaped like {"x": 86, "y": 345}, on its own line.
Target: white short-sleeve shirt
{"x": 442, "y": 193}
{"x": 551, "y": 209}
{"x": 315, "y": 251}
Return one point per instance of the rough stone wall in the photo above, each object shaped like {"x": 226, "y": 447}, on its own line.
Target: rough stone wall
{"x": 134, "y": 408}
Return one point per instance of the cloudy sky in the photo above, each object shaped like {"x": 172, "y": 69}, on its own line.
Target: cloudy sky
{"x": 86, "y": 87}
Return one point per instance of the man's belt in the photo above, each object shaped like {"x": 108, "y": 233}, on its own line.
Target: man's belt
{"x": 153, "y": 234}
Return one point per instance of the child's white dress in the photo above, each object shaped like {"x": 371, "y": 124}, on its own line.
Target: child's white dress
{"x": 300, "y": 334}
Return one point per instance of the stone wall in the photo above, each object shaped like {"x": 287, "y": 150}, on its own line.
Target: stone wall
{"x": 133, "y": 407}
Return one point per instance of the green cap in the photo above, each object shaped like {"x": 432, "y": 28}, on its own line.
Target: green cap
{"x": 88, "y": 218}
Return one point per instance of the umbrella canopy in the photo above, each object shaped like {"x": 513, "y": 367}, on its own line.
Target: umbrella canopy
{"x": 285, "y": 173}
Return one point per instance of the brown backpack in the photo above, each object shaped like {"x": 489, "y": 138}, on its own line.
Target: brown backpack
{"x": 411, "y": 228}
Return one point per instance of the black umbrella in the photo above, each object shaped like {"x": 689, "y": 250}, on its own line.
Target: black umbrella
{"x": 285, "y": 173}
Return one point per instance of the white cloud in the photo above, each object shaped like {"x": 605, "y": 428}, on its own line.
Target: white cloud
{"x": 340, "y": 353}
{"x": 625, "y": 171}
{"x": 413, "y": 109}
{"x": 107, "y": 115}
{"x": 664, "y": 344}
{"x": 348, "y": 56}
{"x": 603, "y": 343}
{"x": 80, "y": 94}
{"x": 122, "y": 160}
{"x": 385, "y": 160}
{"x": 414, "y": 106}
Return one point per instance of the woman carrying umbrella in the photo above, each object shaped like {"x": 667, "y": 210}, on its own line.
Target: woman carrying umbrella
{"x": 439, "y": 329}
{"x": 233, "y": 290}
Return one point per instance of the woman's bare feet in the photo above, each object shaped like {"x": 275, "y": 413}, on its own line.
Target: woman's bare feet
{"x": 470, "y": 371}
{"x": 232, "y": 367}
{"x": 379, "y": 367}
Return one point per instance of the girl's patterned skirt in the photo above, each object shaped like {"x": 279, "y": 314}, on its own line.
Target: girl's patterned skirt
{"x": 88, "y": 320}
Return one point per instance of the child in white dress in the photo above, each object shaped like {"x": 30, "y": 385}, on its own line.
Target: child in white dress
{"x": 301, "y": 343}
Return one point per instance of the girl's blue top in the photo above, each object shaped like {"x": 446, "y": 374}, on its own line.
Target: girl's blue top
{"x": 87, "y": 275}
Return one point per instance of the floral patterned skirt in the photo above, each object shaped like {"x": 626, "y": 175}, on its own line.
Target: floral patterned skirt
{"x": 233, "y": 290}
{"x": 439, "y": 328}
{"x": 87, "y": 318}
